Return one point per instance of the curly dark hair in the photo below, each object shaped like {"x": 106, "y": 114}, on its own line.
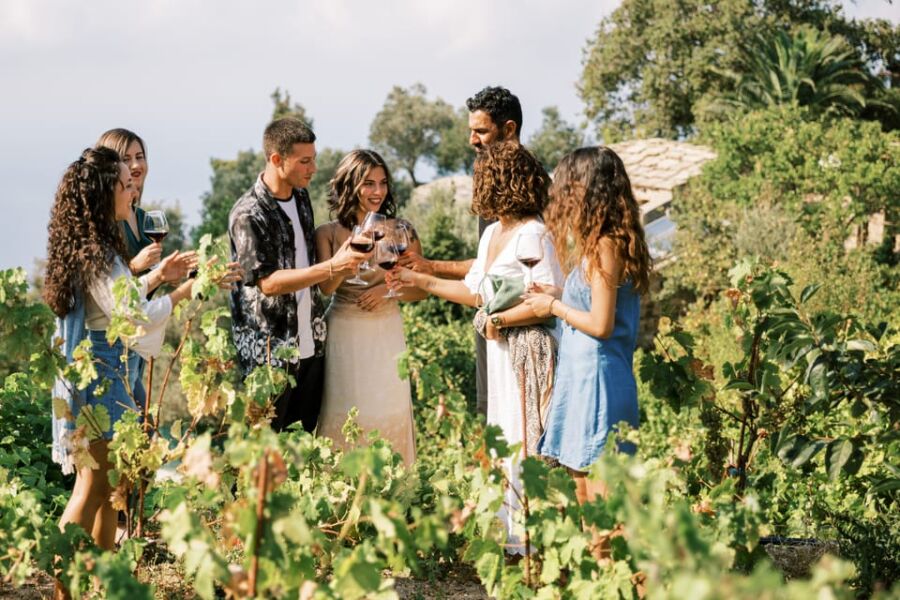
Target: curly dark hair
{"x": 343, "y": 198}
{"x": 509, "y": 181}
{"x": 591, "y": 200}
{"x": 500, "y": 104}
{"x": 84, "y": 237}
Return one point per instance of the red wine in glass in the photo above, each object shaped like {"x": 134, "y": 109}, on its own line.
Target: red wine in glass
{"x": 529, "y": 262}
{"x": 377, "y": 234}
{"x": 361, "y": 244}
{"x": 387, "y": 265}
{"x": 156, "y": 236}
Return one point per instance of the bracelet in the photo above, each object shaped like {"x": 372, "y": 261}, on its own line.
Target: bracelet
{"x": 330, "y": 270}
{"x": 566, "y": 315}
{"x": 552, "y": 300}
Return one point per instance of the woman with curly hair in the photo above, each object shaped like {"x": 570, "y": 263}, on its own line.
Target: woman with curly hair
{"x": 85, "y": 256}
{"x": 509, "y": 185}
{"x": 364, "y": 328}
{"x": 596, "y": 223}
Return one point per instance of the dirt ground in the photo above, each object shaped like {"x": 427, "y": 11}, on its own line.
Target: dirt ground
{"x": 459, "y": 584}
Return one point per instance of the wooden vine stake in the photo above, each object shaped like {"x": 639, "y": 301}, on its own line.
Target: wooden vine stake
{"x": 262, "y": 484}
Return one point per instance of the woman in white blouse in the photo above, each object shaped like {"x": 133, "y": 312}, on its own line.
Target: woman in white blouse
{"x": 84, "y": 258}
{"x": 509, "y": 185}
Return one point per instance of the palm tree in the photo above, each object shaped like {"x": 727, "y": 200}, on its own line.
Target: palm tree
{"x": 809, "y": 68}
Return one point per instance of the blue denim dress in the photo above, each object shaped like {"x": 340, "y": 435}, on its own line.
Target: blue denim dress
{"x": 594, "y": 388}
{"x": 112, "y": 369}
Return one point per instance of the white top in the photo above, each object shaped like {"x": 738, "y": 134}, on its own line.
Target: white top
{"x": 505, "y": 263}
{"x": 305, "y": 341}
{"x": 99, "y": 305}
{"x": 503, "y": 400}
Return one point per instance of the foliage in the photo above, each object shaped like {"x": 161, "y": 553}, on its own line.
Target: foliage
{"x": 781, "y": 166}
{"x": 806, "y": 68}
{"x": 410, "y": 127}
{"x": 652, "y": 63}
{"x": 283, "y": 107}
{"x": 229, "y": 181}
{"x": 808, "y": 401}
{"x": 454, "y": 153}
{"x": 554, "y": 139}
{"x": 258, "y": 514}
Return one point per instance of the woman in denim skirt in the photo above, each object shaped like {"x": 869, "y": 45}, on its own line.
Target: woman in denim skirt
{"x": 85, "y": 256}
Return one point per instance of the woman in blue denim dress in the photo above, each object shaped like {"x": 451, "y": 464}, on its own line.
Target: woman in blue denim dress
{"x": 596, "y": 226}
{"x": 85, "y": 255}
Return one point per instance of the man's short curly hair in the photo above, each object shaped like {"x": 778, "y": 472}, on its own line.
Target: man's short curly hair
{"x": 501, "y": 104}
{"x": 509, "y": 181}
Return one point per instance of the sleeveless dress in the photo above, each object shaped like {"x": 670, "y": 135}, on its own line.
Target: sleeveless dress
{"x": 594, "y": 388}
{"x": 362, "y": 349}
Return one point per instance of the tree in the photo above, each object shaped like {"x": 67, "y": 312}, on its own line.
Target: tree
{"x": 229, "y": 181}
{"x": 652, "y": 61}
{"x": 283, "y": 107}
{"x": 454, "y": 153}
{"x": 808, "y": 68}
{"x": 409, "y": 128}
{"x": 554, "y": 139}
{"x": 319, "y": 188}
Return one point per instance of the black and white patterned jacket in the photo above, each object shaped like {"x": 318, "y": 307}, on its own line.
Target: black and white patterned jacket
{"x": 262, "y": 241}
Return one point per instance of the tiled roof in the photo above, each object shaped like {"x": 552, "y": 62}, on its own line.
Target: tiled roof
{"x": 656, "y": 166}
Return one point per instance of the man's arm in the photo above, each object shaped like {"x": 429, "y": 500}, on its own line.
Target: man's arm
{"x": 445, "y": 269}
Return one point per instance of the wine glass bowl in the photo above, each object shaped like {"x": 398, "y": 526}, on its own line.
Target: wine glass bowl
{"x": 362, "y": 241}
{"x": 374, "y": 224}
{"x": 529, "y": 252}
{"x": 387, "y": 256}
{"x": 156, "y": 226}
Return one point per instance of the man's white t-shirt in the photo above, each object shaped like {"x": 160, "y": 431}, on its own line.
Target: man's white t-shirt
{"x": 304, "y": 301}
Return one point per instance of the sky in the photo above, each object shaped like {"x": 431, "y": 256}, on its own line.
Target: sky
{"x": 193, "y": 78}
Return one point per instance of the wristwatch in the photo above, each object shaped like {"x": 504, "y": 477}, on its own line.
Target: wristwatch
{"x": 497, "y": 321}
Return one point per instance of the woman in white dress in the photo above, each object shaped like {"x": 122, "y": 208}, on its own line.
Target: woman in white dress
{"x": 509, "y": 185}
{"x": 365, "y": 329}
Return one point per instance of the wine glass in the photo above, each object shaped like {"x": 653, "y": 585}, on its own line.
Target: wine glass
{"x": 375, "y": 224}
{"x": 529, "y": 252}
{"x": 402, "y": 237}
{"x": 386, "y": 255}
{"x": 361, "y": 240}
{"x": 156, "y": 227}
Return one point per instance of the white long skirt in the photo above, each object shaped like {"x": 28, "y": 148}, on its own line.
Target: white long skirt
{"x": 361, "y": 370}
{"x": 504, "y": 409}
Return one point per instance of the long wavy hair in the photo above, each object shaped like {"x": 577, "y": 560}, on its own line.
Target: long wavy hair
{"x": 119, "y": 139}
{"x": 591, "y": 200}
{"x": 343, "y": 198}
{"x": 509, "y": 182}
{"x": 84, "y": 237}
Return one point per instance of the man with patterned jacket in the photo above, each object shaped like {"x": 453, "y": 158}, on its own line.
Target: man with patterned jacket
{"x": 277, "y": 306}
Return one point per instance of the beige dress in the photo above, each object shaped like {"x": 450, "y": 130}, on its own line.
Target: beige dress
{"x": 362, "y": 350}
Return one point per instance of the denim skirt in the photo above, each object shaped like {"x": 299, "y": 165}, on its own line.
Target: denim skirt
{"x": 121, "y": 379}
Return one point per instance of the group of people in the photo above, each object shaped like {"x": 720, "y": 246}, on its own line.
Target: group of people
{"x": 560, "y": 267}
